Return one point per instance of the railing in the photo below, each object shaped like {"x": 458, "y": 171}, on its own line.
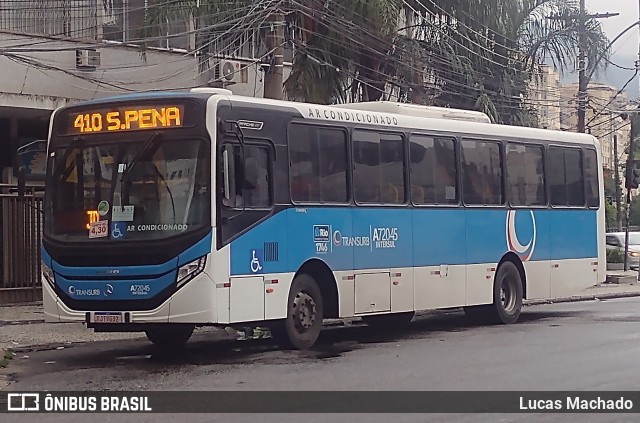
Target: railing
{"x": 71, "y": 18}
{"x": 21, "y": 234}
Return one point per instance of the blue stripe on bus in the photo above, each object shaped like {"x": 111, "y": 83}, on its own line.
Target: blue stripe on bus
{"x": 108, "y": 272}
{"x": 197, "y": 250}
{"x": 108, "y": 290}
{"x": 362, "y": 238}
{"x": 111, "y": 283}
{"x": 44, "y": 256}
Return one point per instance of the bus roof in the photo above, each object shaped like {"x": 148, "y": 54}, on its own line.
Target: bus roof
{"x": 420, "y": 123}
{"x": 386, "y": 114}
{"x": 418, "y": 110}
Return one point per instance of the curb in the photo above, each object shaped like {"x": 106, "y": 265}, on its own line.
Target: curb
{"x": 20, "y": 322}
{"x": 576, "y": 298}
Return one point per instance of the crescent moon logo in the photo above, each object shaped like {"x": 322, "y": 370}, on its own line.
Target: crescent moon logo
{"x": 337, "y": 238}
{"x": 524, "y": 251}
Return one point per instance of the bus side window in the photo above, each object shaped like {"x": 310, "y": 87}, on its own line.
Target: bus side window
{"x": 591, "y": 178}
{"x": 566, "y": 177}
{"x": 433, "y": 170}
{"x": 378, "y": 173}
{"x": 482, "y": 172}
{"x": 525, "y": 176}
{"x": 246, "y": 184}
{"x": 318, "y": 164}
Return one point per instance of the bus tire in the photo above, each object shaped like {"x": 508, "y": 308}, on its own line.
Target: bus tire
{"x": 388, "y": 321}
{"x": 170, "y": 336}
{"x": 507, "y": 294}
{"x": 301, "y": 328}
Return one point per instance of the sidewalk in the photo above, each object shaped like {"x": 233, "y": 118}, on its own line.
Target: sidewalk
{"x": 22, "y": 327}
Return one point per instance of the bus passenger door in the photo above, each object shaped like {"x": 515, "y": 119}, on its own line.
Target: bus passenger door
{"x": 246, "y": 299}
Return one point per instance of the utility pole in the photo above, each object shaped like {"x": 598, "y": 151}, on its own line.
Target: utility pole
{"x": 630, "y": 183}
{"x": 583, "y": 81}
{"x": 617, "y": 179}
{"x": 273, "y": 79}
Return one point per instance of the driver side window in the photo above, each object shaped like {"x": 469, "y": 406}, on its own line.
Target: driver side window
{"x": 246, "y": 181}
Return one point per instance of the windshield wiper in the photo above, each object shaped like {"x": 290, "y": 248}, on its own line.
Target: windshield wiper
{"x": 62, "y": 164}
{"x": 148, "y": 147}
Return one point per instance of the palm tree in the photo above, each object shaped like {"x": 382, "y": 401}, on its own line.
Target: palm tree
{"x": 485, "y": 60}
{"x": 459, "y": 53}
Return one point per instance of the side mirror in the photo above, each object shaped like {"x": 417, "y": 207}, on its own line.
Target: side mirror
{"x": 21, "y": 183}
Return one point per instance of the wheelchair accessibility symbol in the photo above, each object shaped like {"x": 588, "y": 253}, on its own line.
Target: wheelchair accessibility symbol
{"x": 255, "y": 264}
{"x": 118, "y": 229}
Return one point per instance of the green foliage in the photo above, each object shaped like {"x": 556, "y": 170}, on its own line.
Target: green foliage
{"x": 476, "y": 54}
{"x": 615, "y": 255}
{"x": 609, "y": 185}
{"x": 610, "y": 213}
{"x": 634, "y": 214}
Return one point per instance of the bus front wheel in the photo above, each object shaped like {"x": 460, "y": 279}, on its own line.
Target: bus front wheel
{"x": 302, "y": 326}
{"x": 168, "y": 336}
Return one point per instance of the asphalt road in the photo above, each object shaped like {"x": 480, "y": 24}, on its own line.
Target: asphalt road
{"x": 572, "y": 346}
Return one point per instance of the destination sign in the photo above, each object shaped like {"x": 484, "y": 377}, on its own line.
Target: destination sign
{"x": 115, "y": 119}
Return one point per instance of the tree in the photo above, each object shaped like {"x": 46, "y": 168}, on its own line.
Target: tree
{"x": 609, "y": 186}
{"x": 486, "y": 60}
{"x": 610, "y": 215}
{"x": 458, "y": 53}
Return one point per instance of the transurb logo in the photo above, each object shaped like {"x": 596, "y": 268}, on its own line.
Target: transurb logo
{"x": 521, "y": 228}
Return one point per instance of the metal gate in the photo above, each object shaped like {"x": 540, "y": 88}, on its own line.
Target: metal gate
{"x": 21, "y": 234}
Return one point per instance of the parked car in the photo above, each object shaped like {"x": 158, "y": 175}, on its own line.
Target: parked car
{"x": 616, "y": 240}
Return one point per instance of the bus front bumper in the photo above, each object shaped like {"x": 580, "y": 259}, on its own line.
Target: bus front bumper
{"x": 192, "y": 303}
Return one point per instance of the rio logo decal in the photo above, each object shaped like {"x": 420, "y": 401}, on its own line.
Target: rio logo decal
{"x": 527, "y": 225}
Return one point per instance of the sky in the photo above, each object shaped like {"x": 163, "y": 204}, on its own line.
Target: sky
{"x": 627, "y": 45}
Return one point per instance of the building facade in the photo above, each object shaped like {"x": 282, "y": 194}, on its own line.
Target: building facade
{"x": 545, "y": 97}
{"x": 602, "y": 118}
{"x": 58, "y": 52}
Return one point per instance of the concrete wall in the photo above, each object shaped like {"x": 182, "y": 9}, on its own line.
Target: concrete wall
{"x": 52, "y": 78}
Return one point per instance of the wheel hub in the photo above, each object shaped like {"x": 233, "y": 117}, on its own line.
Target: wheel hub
{"x": 304, "y": 311}
{"x": 507, "y": 296}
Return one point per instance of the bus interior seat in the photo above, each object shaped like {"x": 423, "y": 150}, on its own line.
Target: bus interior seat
{"x": 417, "y": 194}
{"x": 390, "y": 194}
{"x": 300, "y": 190}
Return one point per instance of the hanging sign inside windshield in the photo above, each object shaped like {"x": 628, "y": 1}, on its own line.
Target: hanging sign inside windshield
{"x": 118, "y": 119}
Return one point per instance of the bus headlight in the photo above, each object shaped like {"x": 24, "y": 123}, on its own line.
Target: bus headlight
{"x": 191, "y": 270}
{"x": 47, "y": 273}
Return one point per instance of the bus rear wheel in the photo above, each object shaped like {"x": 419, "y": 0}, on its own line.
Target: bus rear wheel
{"x": 507, "y": 298}
{"x": 302, "y": 326}
{"x": 170, "y": 336}
{"x": 507, "y": 294}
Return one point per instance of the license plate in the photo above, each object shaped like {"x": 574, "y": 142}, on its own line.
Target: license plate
{"x": 107, "y": 318}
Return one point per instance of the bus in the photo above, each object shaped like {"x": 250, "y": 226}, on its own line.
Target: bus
{"x": 165, "y": 212}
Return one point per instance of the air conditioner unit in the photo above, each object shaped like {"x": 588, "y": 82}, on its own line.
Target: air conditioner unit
{"x": 87, "y": 59}
{"x": 230, "y": 72}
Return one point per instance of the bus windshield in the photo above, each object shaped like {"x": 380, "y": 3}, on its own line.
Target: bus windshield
{"x": 127, "y": 190}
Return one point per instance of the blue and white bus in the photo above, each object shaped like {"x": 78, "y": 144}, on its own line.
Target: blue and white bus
{"x": 169, "y": 211}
